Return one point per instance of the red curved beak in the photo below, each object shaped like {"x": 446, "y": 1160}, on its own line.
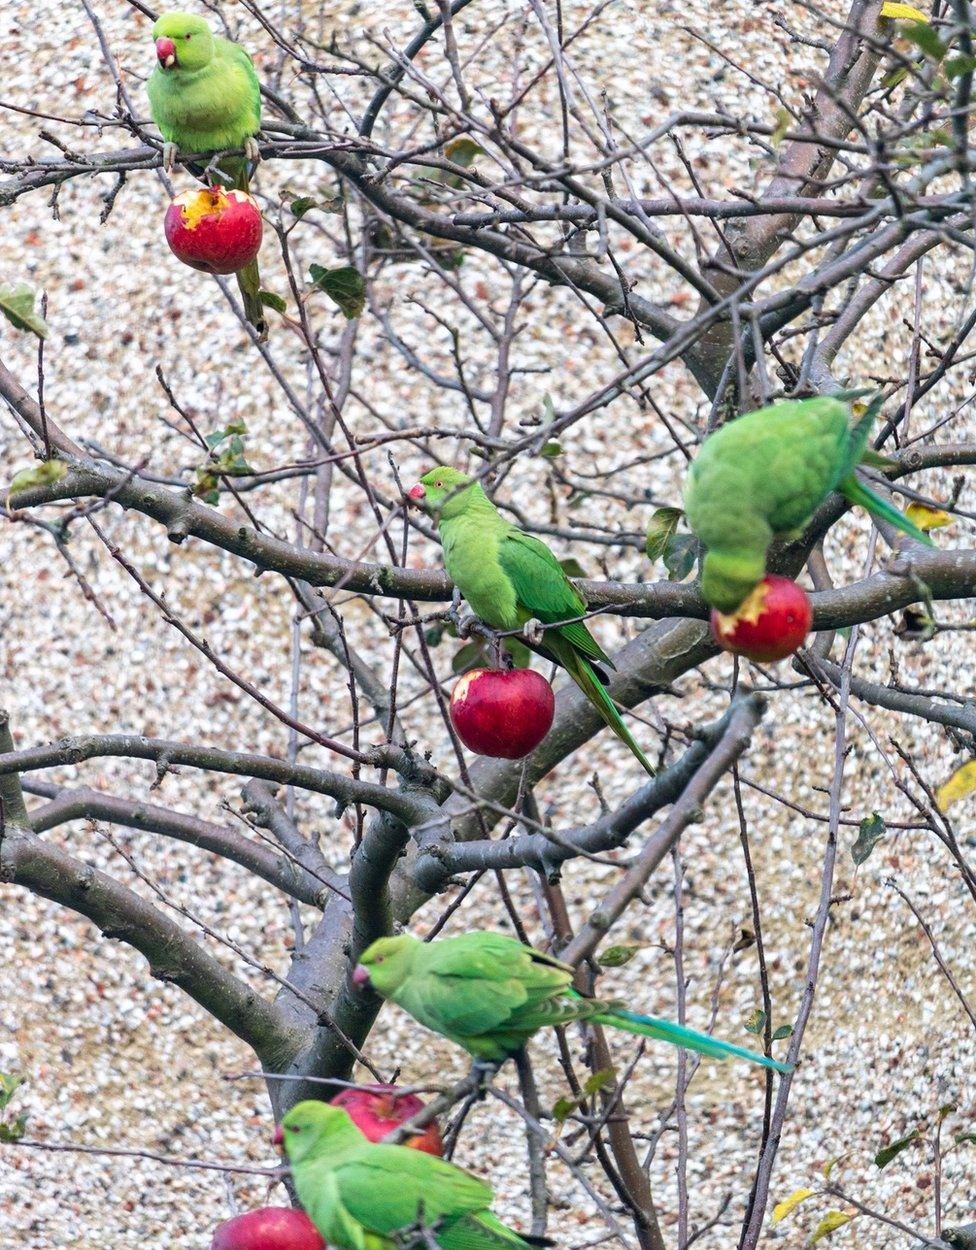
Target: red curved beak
{"x": 278, "y": 1136}
{"x": 417, "y": 492}
{"x": 166, "y": 53}
{"x": 360, "y": 975}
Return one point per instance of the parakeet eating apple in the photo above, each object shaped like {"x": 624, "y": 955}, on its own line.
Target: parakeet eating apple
{"x": 764, "y": 475}
{"x": 204, "y": 96}
{"x": 359, "y": 1195}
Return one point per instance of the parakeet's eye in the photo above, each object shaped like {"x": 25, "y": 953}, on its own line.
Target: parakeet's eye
{"x": 293, "y": 1128}
{"x": 188, "y": 38}
{"x": 438, "y": 485}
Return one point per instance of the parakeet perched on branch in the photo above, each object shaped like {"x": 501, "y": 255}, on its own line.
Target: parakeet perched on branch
{"x": 358, "y": 1195}
{"x": 204, "y": 97}
{"x": 508, "y": 578}
{"x": 490, "y": 994}
{"x": 764, "y": 475}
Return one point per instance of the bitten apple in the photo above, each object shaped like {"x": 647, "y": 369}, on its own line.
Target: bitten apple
{"x": 214, "y": 230}
{"x": 504, "y": 714}
{"x": 770, "y": 624}
{"x": 377, "y": 1110}
{"x": 269, "y": 1228}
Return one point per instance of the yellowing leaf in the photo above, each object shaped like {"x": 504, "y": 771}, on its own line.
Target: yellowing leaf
{"x": 782, "y": 1209}
{"x": 959, "y": 786}
{"x": 40, "y": 475}
{"x": 829, "y": 1166}
{"x": 927, "y": 518}
{"x": 902, "y": 12}
{"x": 833, "y": 1219}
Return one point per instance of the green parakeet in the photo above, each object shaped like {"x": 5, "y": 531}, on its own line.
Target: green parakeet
{"x": 508, "y": 578}
{"x": 358, "y": 1195}
{"x": 489, "y": 994}
{"x": 204, "y": 96}
{"x": 764, "y": 475}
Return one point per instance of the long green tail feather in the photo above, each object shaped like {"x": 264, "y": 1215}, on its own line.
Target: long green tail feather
{"x": 248, "y": 278}
{"x": 688, "y": 1039}
{"x": 856, "y": 492}
{"x": 249, "y": 284}
{"x": 581, "y": 671}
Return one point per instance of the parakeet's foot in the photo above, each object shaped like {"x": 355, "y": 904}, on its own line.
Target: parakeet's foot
{"x": 486, "y": 1070}
{"x": 465, "y": 622}
{"x": 251, "y": 149}
{"x": 171, "y": 153}
{"x": 533, "y": 631}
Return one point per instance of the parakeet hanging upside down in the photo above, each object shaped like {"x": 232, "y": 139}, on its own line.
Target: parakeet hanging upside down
{"x": 204, "y": 96}
{"x": 508, "y": 578}
{"x": 490, "y": 994}
{"x": 764, "y": 475}
{"x": 359, "y": 1195}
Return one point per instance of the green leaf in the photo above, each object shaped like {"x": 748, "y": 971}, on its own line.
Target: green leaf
{"x": 894, "y": 1149}
{"x": 17, "y": 305}
{"x": 962, "y": 1138}
{"x": 784, "y": 1031}
{"x": 345, "y": 286}
{"x": 563, "y": 1108}
{"x": 43, "y": 474}
{"x": 617, "y": 956}
{"x": 783, "y": 120}
{"x": 756, "y": 1022}
{"x": 10, "y": 1132}
{"x": 552, "y": 450}
{"x": 215, "y": 438}
{"x": 660, "y": 531}
{"x": 9, "y": 1084}
{"x": 463, "y": 151}
{"x": 870, "y": 832}
{"x": 301, "y": 206}
{"x": 572, "y": 567}
{"x": 924, "y": 37}
{"x": 448, "y": 258}
{"x": 829, "y": 1224}
{"x": 679, "y": 556}
{"x": 597, "y": 1081}
{"x": 946, "y": 1110}
{"x": 893, "y": 78}
{"x": 271, "y": 300}
{"x": 956, "y": 66}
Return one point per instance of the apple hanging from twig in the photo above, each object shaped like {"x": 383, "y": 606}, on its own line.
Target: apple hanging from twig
{"x": 503, "y": 714}
{"x": 214, "y": 230}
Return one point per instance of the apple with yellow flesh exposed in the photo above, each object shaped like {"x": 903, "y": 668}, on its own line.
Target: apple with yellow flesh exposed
{"x": 770, "y": 624}
{"x": 214, "y": 230}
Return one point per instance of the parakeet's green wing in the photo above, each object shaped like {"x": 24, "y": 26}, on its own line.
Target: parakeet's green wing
{"x": 389, "y": 1187}
{"x": 545, "y": 591}
{"x": 234, "y": 53}
{"x": 317, "y": 1185}
{"x": 482, "y": 953}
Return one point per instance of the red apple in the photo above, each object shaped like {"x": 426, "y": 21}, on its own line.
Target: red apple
{"x": 378, "y": 1109}
{"x": 270, "y": 1228}
{"x": 504, "y": 714}
{"x": 769, "y": 624}
{"x": 214, "y": 230}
